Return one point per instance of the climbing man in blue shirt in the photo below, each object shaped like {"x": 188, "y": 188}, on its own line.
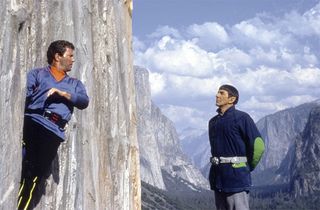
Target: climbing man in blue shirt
{"x": 51, "y": 96}
{"x": 236, "y": 149}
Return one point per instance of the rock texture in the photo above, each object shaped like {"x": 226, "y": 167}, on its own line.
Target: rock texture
{"x": 197, "y": 147}
{"x": 279, "y": 131}
{"x": 305, "y": 167}
{"x": 98, "y": 167}
{"x": 150, "y": 158}
{"x": 160, "y": 150}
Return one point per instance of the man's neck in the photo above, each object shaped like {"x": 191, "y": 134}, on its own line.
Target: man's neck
{"x": 56, "y": 73}
{"x": 224, "y": 108}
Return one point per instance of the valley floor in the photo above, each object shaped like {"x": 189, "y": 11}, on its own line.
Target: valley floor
{"x": 260, "y": 199}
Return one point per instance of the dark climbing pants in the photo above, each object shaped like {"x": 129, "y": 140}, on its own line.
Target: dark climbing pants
{"x": 39, "y": 149}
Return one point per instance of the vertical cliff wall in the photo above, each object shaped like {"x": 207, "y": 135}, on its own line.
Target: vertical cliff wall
{"x": 279, "y": 131}
{"x": 160, "y": 150}
{"x": 150, "y": 159}
{"x": 98, "y": 167}
{"x": 305, "y": 167}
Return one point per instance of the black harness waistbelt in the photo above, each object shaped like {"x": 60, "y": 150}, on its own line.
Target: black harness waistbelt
{"x": 52, "y": 116}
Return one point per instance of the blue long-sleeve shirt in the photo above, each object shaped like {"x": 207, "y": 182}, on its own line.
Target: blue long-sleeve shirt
{"x": 39, "y": 82}
{"x": 234, "y": 134}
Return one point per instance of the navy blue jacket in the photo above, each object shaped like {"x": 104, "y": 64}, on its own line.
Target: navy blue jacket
{"x": 234, "y": 134}
{"x": 39, "y": 82}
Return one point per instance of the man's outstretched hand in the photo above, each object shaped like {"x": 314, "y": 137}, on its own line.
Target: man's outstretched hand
{"x": 64, "y": 94}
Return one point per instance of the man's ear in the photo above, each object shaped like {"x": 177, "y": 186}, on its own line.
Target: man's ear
{"x": 232, "y": 99}
{"x": 56, "y": 57}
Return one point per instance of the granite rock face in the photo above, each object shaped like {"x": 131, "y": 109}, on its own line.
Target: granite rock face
{"x": 197, "y": 148}
{"x": 98, "y": 166}
{"x": 305, "y": 167}
{"x": 160, "y": 150}
{"x": 150, "y": 158}
{"x": 279, "y": 131}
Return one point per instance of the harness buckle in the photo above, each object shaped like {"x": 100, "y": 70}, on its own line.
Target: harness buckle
{"x": 214, "y": 160}
{"x": 56, "y": 119}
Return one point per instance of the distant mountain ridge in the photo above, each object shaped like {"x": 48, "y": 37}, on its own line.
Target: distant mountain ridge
{"x": 159, "y": 144}
{"x": 305, "y": 165}
{"x": 197, "y": 148}
{"x": 280, "y": 132}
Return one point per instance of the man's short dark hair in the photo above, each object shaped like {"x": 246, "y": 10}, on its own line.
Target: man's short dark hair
{"x": 232, "y": 91}
{"x": 60, "y": 47}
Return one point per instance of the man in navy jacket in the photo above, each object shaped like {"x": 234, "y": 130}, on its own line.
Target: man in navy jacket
{"x": 236, "y": 148}
{"x": 51, "y": 96}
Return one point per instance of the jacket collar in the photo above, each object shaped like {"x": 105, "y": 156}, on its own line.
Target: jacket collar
{"x": 231, "y": 109}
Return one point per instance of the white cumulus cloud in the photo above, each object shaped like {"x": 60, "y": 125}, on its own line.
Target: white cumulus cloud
{"x": 273, "y": 62}
{"x": 185, "y": 116}
{"x": 208, "y": 35}
{"x": 182, "y": 57}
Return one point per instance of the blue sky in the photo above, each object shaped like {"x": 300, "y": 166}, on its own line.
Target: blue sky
{"x": 268, "y": 49}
